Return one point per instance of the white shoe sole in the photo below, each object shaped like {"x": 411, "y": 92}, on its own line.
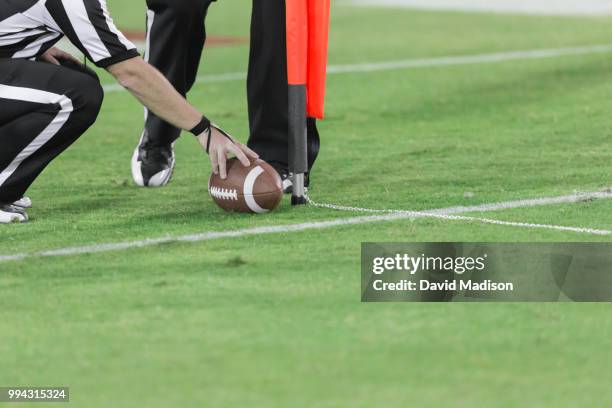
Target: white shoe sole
{"x": 12, "y": 218}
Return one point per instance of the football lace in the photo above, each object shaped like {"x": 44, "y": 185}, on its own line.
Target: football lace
{"x": 224, "y": 193}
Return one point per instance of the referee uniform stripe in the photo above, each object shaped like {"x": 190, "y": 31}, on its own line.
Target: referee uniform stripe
{"x": 150, "y": 21}
{"x": 35, "y": 46}
{"x": 87, "y": 33}
{"x": 17, "y": 23}
{"x": 14, "y": 45}
{"x": 9, "y": 9}
{"x": 127, "y": 44}
{"x": 18, "y": 36}
{"x": 108, "y": 36}
{"x": 58, "y": 14}
{"x": 34, "y": 26}
{"x": 42, "y": 97}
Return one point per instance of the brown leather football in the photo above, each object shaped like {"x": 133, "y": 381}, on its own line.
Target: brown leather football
{"x": 254, "y": 189}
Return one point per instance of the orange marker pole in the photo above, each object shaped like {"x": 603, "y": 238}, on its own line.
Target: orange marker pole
{"x": 318, "y": 44}
{"x": 297, "y": 75}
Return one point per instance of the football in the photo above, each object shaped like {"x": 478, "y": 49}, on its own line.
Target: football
{"x": 254, "y": 189}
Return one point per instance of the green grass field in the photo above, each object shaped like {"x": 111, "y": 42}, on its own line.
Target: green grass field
{"x": 276, "y": 320}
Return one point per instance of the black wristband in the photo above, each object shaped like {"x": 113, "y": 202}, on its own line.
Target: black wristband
{"x": 201, "y": 127}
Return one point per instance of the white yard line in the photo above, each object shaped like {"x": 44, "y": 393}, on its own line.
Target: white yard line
{"x": 506, "y": 205}
{"x": 416, "y": 63}
{"x": 539, "y": 7}
{"x": 448, "y": 214}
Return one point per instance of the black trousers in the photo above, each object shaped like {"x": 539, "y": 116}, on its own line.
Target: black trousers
{"x": 44, "y": 108}
{"x": 176, "y": 38}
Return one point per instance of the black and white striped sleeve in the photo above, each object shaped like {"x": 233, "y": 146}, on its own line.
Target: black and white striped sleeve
{"x": 87, "y": 23}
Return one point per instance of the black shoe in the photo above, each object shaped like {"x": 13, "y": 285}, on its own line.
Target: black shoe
{"x": 152, "y": 166}
{"x": 10, "y": 214}
{"x": 287, "y": 177}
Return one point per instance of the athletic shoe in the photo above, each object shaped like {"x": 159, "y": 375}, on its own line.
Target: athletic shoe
{"x": 24, "y": 202}
{"x": 287, "y": 178}
{"x": 152, "y": 166}
{"x": 10, "y": 214}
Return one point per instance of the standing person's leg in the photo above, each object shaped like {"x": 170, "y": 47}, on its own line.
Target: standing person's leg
{"x": 175, "y": 39}
{"x": 44, "y": 108}
{"x": 268, "y": 89}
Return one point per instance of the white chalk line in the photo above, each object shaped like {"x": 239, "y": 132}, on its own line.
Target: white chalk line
{"x": 421, "y": 63}
{"x": 596, "y": 8}
{"x": 577, "y": 197}
{"x": 449, "y": 214}
{"x": 446, "y": 213}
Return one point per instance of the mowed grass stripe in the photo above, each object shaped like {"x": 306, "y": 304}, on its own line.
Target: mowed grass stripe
{"x": 415, "y": 63}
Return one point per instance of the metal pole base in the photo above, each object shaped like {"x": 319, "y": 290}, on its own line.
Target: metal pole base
{"x": 299, "y": 192}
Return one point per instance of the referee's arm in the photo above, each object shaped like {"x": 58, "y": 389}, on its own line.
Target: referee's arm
{"x": 87, "y": 23}
{"x": 154, "y": 91}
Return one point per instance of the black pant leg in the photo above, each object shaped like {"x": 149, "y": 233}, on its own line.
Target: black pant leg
{"x": 176, "y": 36}
{"x": 44, "y": 108}
{"x": 267, "y": 86}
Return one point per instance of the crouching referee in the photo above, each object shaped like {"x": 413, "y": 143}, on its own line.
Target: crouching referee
{"x": 48, "y": 99}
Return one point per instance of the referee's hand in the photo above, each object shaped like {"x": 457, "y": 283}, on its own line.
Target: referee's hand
{"x": 221, "y": 146}
{"x": 55, "y": 55}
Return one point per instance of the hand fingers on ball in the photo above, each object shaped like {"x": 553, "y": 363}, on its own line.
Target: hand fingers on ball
{"x": 239, "y": 155}
{"x": 222, "y": 159}
{"x": 214, "y": 161}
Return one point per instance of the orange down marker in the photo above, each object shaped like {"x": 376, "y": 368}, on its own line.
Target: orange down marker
{"x": 307, "y": 47}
